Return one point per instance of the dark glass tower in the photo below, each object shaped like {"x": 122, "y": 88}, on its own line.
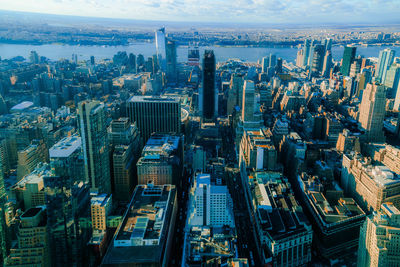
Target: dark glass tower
{"x": 348, "y": 57}
{"x": 208, "y": 96}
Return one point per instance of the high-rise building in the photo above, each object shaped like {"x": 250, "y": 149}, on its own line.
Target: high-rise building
{"x": 306, "y": 51}
{"x": 392, "y": 79}
{"x": 3, "y": 226}
{"x": 368, "y": 183}
{"x": 318, "y": 58}
{"x": 126, "y": 145}
{"x": 212, "y": 203}
{"x": 193, "y": 55}
{"x": 327, "y": 66}
{"x": 30, "y": 157}
{"x": 155, "y": 114}
{"x": 209, "y": 100}
{"x": 161, "y": 48}
{"x": 386, "y": 58}
{"x": 372, "y": 112}
{"x": 32, "y": 248}
{"x": 66, "y": 203}
{"x": 66, "y": 159}
{"x": 100, "y": 208}
{"x": 336, "y": 218}
{"x": 93, "y": 130}
{"x": 161, "y": 161}
{"x": 380, "y": 238}
{"x": 145, "y": 235}
{"x": 349, "y": 54}
{"x": 248, "y": 101}
{"x": 171, "y": 70}
{"x": 282, "y": 229}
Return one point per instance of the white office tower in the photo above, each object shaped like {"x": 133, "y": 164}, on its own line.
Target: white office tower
{"x": 210, "y": 204}
{"x": 379, "y": 243}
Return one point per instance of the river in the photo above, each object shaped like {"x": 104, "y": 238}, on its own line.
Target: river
{"x": 250, "y": 54}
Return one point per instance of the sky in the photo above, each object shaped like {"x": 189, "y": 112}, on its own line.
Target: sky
{"x": 225, "y": 11}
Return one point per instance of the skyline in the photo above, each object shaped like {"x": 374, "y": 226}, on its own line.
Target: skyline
{"x": 241, "y": 11}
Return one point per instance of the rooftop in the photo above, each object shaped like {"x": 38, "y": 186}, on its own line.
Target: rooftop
{"x": 142, "y": 234}
{"x": 65, "y": 147}
{"x": 143, "y": 99}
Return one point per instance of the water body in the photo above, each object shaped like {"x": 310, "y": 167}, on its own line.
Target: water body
{"x": 250, "y": 54}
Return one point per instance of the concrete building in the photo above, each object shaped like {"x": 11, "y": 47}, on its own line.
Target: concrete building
{"x": 211, "y": 204}
{"x": 66, "y": 159}
{"x": 370, "y": 184}
{"x": 29, "y": 158}
{"x": 32, "y": 248}
{"x": 380, "y": 238}
{"x": 283, "y": 231}
{"x": 161, "y": 161}
{"x": 257, "y": 150}
{"x": 385, "y": 60}
{"x": 372, "y": 112}
{"x": 126, "y": 147}
{"x": 100, "y": 208}
{"x": 145, "y": 235}
{"x": 336, "y": 218}
{"x": 155, "y": 114}
{"x": 93, "y": 130}
{"x": 29, "y": 191}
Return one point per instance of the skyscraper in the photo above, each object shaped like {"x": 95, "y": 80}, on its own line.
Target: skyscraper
{"x": 248, "y": 101}
{"x": 212, "y": 203}
{"x": 171, "y": 71}
{"x": 349, "y": 54}
{"x": 306, "y": 51}
{"x": 326, "y": 68}
{"x": 160, "y": 48}
{"x": 208, "y": 96}
{"x": 386, "y": 58}
{"x": 155, "y": 114}
{"x": 318, "y": 58}
{"x": 93, "y": 130}
{"x": 372, "y": 112}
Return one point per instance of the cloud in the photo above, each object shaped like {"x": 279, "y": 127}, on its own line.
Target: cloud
{"x": 264, "y": 11}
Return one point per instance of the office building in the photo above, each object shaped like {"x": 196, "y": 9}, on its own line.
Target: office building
{"x": 385, "y": 60}
{"x": 171, "y": 69}
{"x": 161, "y": 48}
{"x": 208, "y": 95}
{"x": 32, "y": 248}
{"x": 155, "y": 114}
{"x": 336, "y": 218}
{"x": 29, "y": 191}
{"x": 29, "y": 158}
{"x": 318, "y": 58}
{"x": 145, "y": 235}
{"x": 257, "y": 150}
{"x": 248, "y": 101}
{"x": 161, "y": 161}
{"x": 327, "y": 65}
{"x": 282, "y": 229}
{"x": 125, "y": 141}
{"x": 306, "y": 52}
{"x": 93, "y": 130}
{"x": 211, "y": 204}
{"x": 380, "y": 238}
{"x": 392, "y": 80}
{"x": 369, "y": 184}
{"x": 66, "y": 205}
{"x": 372, "y": 112}
{"x": 100, "y": 208}
{"x": 66, "y": 159}
{"x": 349, "y": 54}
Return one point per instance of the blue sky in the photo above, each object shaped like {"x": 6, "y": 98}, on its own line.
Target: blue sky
{"x": 240, "y": 11}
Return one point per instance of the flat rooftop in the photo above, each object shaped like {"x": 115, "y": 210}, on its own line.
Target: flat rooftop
{"x": 142, "y": 234}
{"x": 65, "y": 147}
{"x": 144, "y": 99}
